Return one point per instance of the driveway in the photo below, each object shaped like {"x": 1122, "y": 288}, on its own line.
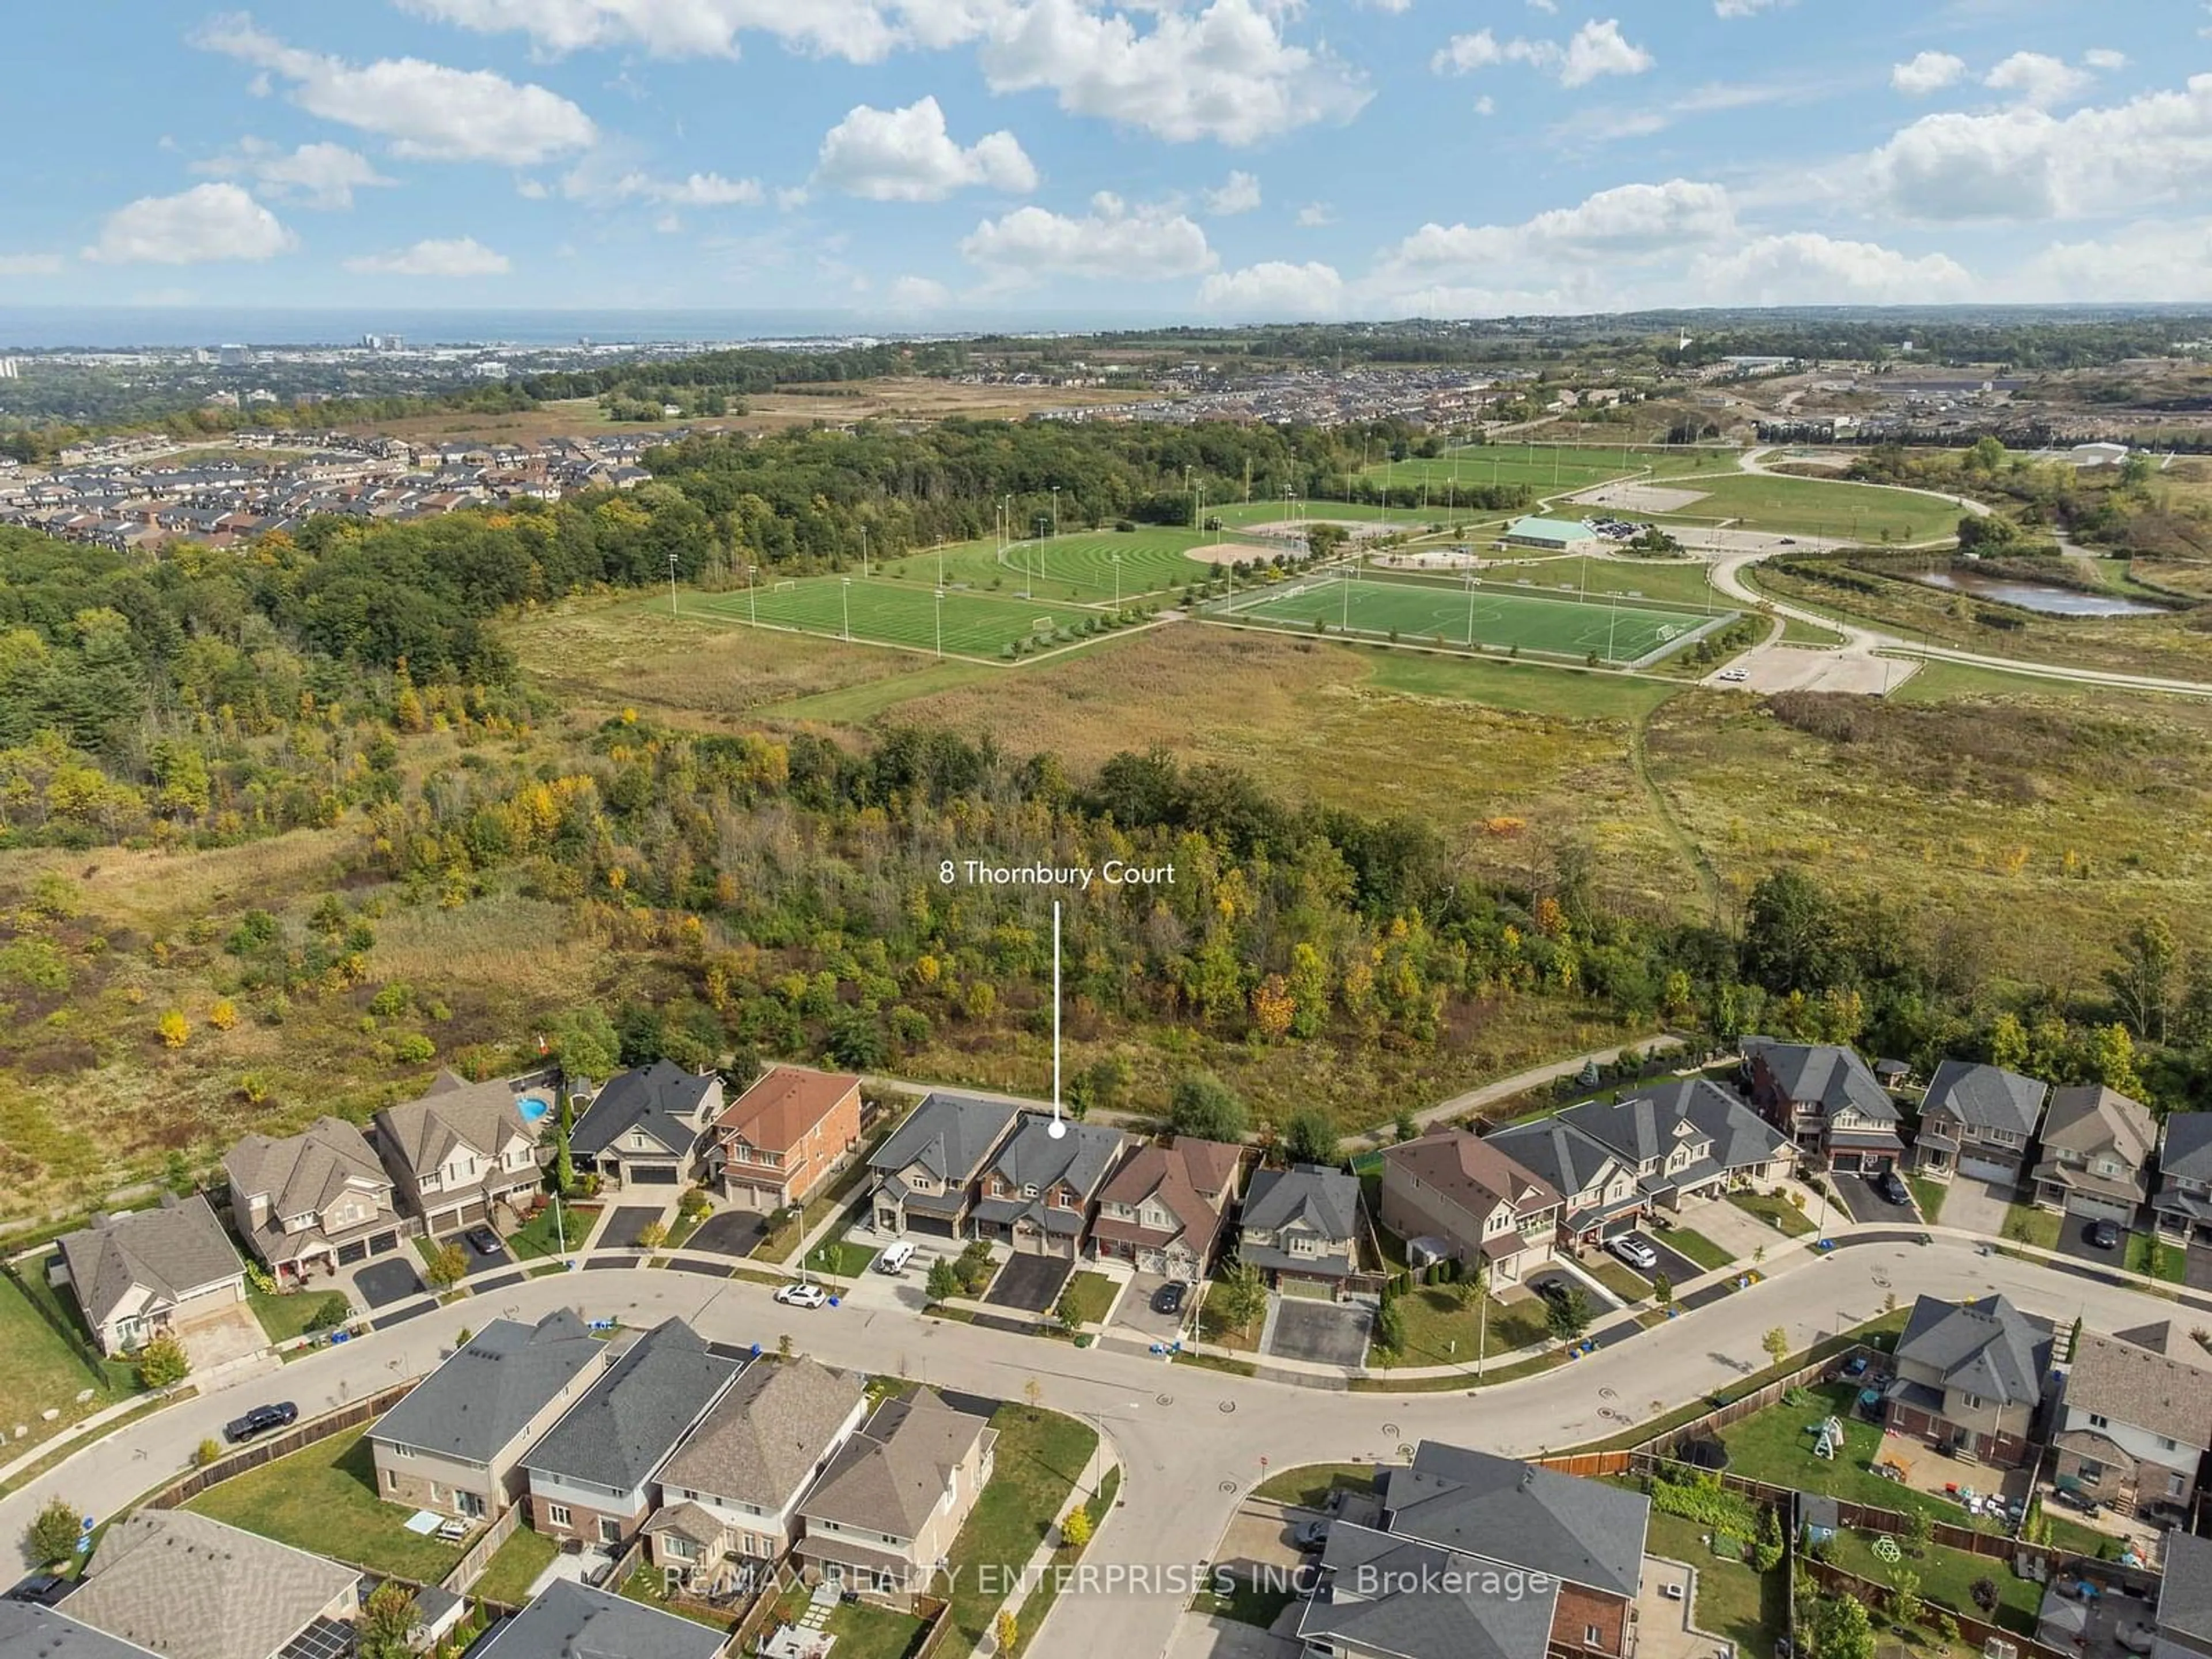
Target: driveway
{"x": 228, "y": 1337}
{"x": 1977, "y": 1206}
{"x": 2196, "y": 1269}
{"x": 1678, "y": 1267}
{"x": 2073, "y": 1240}
{"x": 1135, "y": 1313}
{"x": 1030, "y": 1283}
{"x": 733, "y": 1232}
{"x": 625, "y": 1223}
{"x": 1864, "y": 1204}
{"x": 1199, "y": 1636}
{"x": 480, "y": 1262}
{"x": 1325, "y": 1332}
{"x": 383, "y": 1283}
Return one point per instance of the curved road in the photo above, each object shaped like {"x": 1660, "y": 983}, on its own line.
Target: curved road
{"x": 1192, "y": 1440}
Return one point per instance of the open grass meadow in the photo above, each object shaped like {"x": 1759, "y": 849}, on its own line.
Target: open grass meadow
{"x": 878, "y": 611}
{"x": 42, "y": 1370}
{"x": 1079, "y": 568}
{"x": 1481, "y": 615}
{"x": 1810, "y": 506}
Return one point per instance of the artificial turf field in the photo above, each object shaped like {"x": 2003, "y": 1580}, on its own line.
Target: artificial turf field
{"x": 1470, "y": 615}
{"x": 879, "y": 610}
{"x": 1078, "y": 567}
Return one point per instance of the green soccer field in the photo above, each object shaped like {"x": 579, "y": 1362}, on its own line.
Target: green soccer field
{"x": 1078, "y": 568}
{"x": 1541, "y": 466}
{"x": 879, "y": 610}
{"x": 1456, "y": 614}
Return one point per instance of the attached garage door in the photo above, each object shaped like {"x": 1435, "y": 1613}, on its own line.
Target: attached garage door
{"x": 350, "y": 1254}
{"x": 2100, "y": 1209}
{"x": 472, "y": 1214}
{"x": 1980, "y": 1169}
{"x": 653, "y": 1175}
{"x": 384, "y": 1243}
{"x": 929, "y": 1226}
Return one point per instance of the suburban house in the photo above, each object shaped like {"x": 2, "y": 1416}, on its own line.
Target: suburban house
{"x": 1039, "y": 1188}
{"x": 1977, "y": 1121}
{"x": 1164, "y": 1208}
{"x": 312, "y": 1202}
{"x": 1598, "y": 1190}
{"x": 463, "y": 1150}
{"x": 784, "y": 1136}
{"x": 928, "y": 1174}
{"x": 1463, "y": 1191}
{"x": 28, "y": 1631}
{"x": 2182, "y": 1205}
{"x": 2184, "y": 1597}
{"x": 1690, "y": 1138}
{"x": 153, "y": 1272}
{"x": 1302, "y": 1223}
{"x": 455, "y": 1442}
{"x": 188, "y": 1588}
{"x": 730, "y": 1495}
{"x": 1970, "y": 1376}
{"x": 645, "y": 1126}
{"x": 885, "y": 1511}
{"x": 2097, "y": 1145}
{"x": 591, "y": 1475}
{"x": 2136, "y": 1421}
{"x": 1381, "y": 1596}
{"x": 1583, "y": 1534}
{"x": 569, "y": 1620}
{"x": 1825, "y": 1100}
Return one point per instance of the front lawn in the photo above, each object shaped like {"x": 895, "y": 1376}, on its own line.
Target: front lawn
{"x": 1775, "y": 1211}
{"x": 1439, "y": 1332}
{"x": 287, "y": 1314}
{"x": 859, "y": 1630}
{"x": 1214, "y": 1328}
{"x": 1309, "y": 1486}
{"x": 535, "y": 1240}
{"x": 1946, "y": 1578}
{"x": 1696, "y": 1246}
{"x": 1927, "y": 1196}
{"x": 514, "y": 1566}
{"x": 841, "y": 1259}
{"x": 1776, "y": 1445}
{"x": 1040, "y": 1457}
{"x": 1735, "y": 1599}
{"x": 322, "y": 1500}
{"x": 40, "y": 1370}
{"x": 2148, "y": 1254}
{"x": 1038, "y": 1607}
{"x": 1246, "y": 1603}
{"x": 1087, "y": 1298}
{"x": 1623, "y": 1280}
{"x": 2024, "y": 1224}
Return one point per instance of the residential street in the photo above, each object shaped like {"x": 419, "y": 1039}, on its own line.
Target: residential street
{"x": 1191, "y": 1438}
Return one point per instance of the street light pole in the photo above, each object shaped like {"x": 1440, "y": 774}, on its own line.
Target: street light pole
{"x": 845, "y": 599}
{"x": 940, "y": 622}
{"x": 672, "y": 583}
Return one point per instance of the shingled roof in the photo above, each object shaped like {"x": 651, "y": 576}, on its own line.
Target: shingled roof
{"x": 1475, "y": 1174}
{"x": 1987, "y": 1348}
{"x": 1501, "y": 1510}
{"x": 570, "y": 1621}
{"x": 617, "y": 1434}
{"x": 1399, "y": 1596}
{"x": 173, "y": 1250}
{"x": 1825, "y": 1075}
{"x": 662, "y": 1099}
{"x": 2140, "y": 1384}
{"x": 1178, "y": 1178}
{"x": 890, "y": 1476}
{"x": 191, "y": 1587}
{"x": 422, "y": 1134}
{"x": 478, "y": 1401}
{"x": 763, "y": 1438}
{"x": 778, "y": 1111}
{"x": 1327, "y": 1199}
{"x": 949, "y": 1135}
{"x": 303, "y": 1173}
{"x": 1983, "y": 1097}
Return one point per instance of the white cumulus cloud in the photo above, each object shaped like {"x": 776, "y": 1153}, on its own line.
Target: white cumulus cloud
{"x": 2149, "y": 261}
{"x": 601, "y": 177}
{"x": 908, "y": 156}
{"x": 427, "y": 110}
{"x": 860, "y": 31}
{"x": 1626, "y": 223}
{"x": 1806, "y": 268}
{"x": 1744, "y": 7}
{"x": 2104, "y": 59}
{"x": 461, "y": 255}
{"x": 1596, "y": 49}
{"x": 1140, "y": 244}
{"x": 313, "y": 175}
{"x": 1929, "y": 72}
{"x": 1274, "y": 290}
{"x": 1238, "y": 193}
{"x": 206, "y": 222}
{"x": 2037, "y": 78}
{"x": 1314, "y": 215}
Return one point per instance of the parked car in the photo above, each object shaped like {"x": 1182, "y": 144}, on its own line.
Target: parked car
{"x": 1552, "y": 1290}
{"x": 2074, "y": 1500}
{"x": 1169, "y": 1298}
{"x": 1634, "y": 1251}
{"x": 1310, "y": 1535}
{"x": 1891, "y": 1186}
{"x": 803, "y": 1296}
{"x": 41, "y": 1589}
{"x": 1734, "y": 675}
{"x": 483, "y": 1240}
{"x": 895, "y": 1258}
{"x": 262, "y": 1419}
{"x": 2102, "y": 1235}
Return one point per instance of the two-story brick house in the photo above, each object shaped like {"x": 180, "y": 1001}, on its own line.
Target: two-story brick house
{"x": 1039, "y": 1189}
{"x": 1823, "y": 1096}
{"x": 1302, "y": 1222}
{"x": 1971, "y": 1376}
{"x": 2135, "y": 1423}
{"x": 884, "y": 1513}
{"x": 312, "y": 1202}
{"x": 465, "y": 1152}
{"x": 2182, "y": 1203}
{"x": 1451, "y": 1185}
{"x": 1978, "y": 1121}
{"x": 786, "y": 1135}
{"x": 2097, "y": 1145}
{"x": 928, "y": 1174}
{"x": 1166, "y": 1208}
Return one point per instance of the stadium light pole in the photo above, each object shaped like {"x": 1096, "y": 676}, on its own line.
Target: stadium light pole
{"x": 1470, "y": 610}
{"x": 672, "y": 583}
{"x": 940, "y": 622}
{"x": 1117, "y": 581}
{"x": 845, "y": 598}
{"x": 864, "y": 549}
{"x": 1055, "y": 510}
{"x": 1612, "y": 620}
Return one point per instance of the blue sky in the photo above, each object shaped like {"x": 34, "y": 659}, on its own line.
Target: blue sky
{"x": 1231, "y": 159}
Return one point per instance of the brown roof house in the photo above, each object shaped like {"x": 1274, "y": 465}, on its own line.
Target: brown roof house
{"x": 2135, "y": 1422}
{"x": 189, "y": 1588}
{"x": 786, "y": 1135}
{"x": 730, "y": 1495}
{"x": 1467, "y": 1194}
{"x": 464, "y": 1149}
{"x": 1164, "y": 1208}
{"x": 2097, "y": 1145}
{"x": 885, "y": 1511}
{"x": 312, "y": 1202}
{"x": 153, "y": 1272}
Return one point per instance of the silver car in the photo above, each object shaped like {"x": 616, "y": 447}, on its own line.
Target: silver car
{"x": 1634, "y": 1251}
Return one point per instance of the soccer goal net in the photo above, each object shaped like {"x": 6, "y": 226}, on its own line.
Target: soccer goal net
{"x": 784, "y": 587}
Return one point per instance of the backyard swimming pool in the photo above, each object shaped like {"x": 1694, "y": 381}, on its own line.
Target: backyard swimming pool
{"x": 533, "y": 1107}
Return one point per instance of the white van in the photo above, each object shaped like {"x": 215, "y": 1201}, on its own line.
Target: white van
{"x": 895, "y": 1258}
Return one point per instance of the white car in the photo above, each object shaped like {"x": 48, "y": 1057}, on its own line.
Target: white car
{"x": 803, "y": 1296}
{"x": 1634, "y": 1251}
{"x": 1732, "y": 675}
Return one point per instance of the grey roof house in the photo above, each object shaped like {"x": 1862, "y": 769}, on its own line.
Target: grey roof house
{"x": 2185, "y": 1597}
{"x": 1040, "y": 1191}
{"x": 312, "y": 1202}
{"x": 2097, "y": 1145}
{"x": 153, "y": 1272}
{"x": 1970, "y": 1376}
{"x": 645, "y": 1127}
{"x": 455, "y": 1442}
{"x": 1597, "y": 1186}
{"x": 928, "y": 1174}
{"x": 1825, "y": 1100}
{"x": 1977, "y": 1121}
{"x": 30, "y": 1632}
{"x": 570, "y": 1621}
{"x": 2182, "y": 1205}
{"x": 592, "y": 1475}
{"x": 189, "y": 1587}
{"x": 1384, "y": 1596}
{"x": 1302, "y": 1223}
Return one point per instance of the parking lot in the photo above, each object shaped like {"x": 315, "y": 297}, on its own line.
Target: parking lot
{"x": 624, "y": 1225}
{"x": 383, "y": 1283}
{"x": 1030, "y": 1283}
{"x": 733, "y": 1232}
{"x": 1326, "y": 1333}
{"x": 1858, "y": 1196}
